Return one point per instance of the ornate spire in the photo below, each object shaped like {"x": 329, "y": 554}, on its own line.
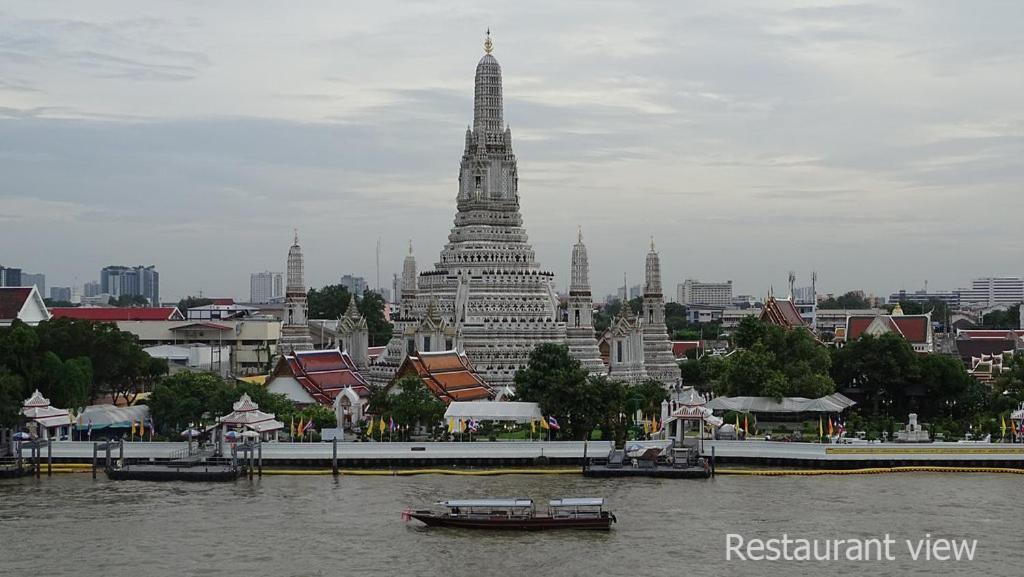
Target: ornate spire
{"x": 652, "y": 285}
{"x": 580, "y": 281}
{"x": 488, "y": 45}
{"x": 296, "y": 282}
{"x": 352, "y": 311}
{"x": 487, "y": 106}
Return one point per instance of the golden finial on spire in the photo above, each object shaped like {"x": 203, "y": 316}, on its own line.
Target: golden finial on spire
{"x": 410, "y": 247}
{"x": 579, "y": 233}
{"x": 488, "y": 45}
{"x": 652, "y": 243}
{"x": 296, "y": 236}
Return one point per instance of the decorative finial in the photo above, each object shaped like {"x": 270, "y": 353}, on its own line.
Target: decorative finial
{"x": 410, "y": 247}
{"x": 579, "y": 233}
{"x": 488, "y": 45}
{"x": 296, "y": 237}
{"x": 652, "y": 243}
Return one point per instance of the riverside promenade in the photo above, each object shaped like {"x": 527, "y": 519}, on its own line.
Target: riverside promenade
{"x": 852, "y": 456}
{"x": 380, "y": 454}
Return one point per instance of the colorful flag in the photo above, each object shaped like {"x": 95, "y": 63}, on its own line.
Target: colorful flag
{"x": 533, "y": 426}
{"x": 300, "y": 430}
{"x": 544, "y": 424}
{"x": 291, "y": 427}
{"x": 309, "y": 425}
{"x": 831, "y": 430}
{"x": 821, "y": 428}
{"x": 647, "y": 425}
{"x": 746, "y": 424}
{"x": 451, "y": 424}
{"x": 472, "y": 425}
{"x": 553, "y": 423}
{"x": 840, "y": 428}
{"x": 369, "y": 428}
{"x": 737, "y": 422}
{"x": 391, "y": 424}
{"x": 1002, "y": 426}
{"x": 380, "y": 424}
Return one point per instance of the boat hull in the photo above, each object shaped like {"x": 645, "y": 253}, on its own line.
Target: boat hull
{"x": 536, "y": 523}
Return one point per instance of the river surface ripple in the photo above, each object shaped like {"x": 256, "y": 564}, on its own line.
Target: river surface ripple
{"x": 318, "y": 525}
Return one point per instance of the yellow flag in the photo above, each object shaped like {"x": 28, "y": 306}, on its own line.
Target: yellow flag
{"x": 381, "y": 425}
{"x": 1002, "y": 420}
{"x": 533, "y": 426}
{"x": 821, "y": 428}
{"x": 292, "y": 426}
{"x": 544, "y": 424}
{"x": 300, "y": 426}
{"x": 369, "y": 428}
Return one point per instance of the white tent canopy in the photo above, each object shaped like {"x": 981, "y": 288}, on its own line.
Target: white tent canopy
{"x": 494, "y": 411}
{"x": 833, "y": 403}
{"x": 103, "y": 416}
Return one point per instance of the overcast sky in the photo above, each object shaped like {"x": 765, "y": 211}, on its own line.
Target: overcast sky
{"x": 880, "y": 144}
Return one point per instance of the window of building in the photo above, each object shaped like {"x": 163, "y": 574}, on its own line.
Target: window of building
{"x": 410, "y": 347}
{"x": 618, "y": 351}
{"x": 577, "y": 312}
{"x": 426, "y": 344}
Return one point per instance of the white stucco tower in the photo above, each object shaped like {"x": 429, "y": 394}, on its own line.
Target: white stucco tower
{"x": 658, "y": 360}
{"x": 579, "y": 329}
{"x": 295, "y": 330}
{"x": 487, "y": 283}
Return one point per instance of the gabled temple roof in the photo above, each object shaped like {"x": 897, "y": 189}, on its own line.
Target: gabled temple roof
{"x": 914, "y": 328}
{"x": 323, "y": 374}
{"x": 17, "y": 303}
{"x": 448, "y": 374}
{"x": 782, "y": 312}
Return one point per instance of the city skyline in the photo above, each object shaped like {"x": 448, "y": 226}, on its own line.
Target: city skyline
{"x": 748, "y": 140}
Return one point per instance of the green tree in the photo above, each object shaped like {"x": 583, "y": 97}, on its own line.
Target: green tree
{"x": 563, "y": 389}
{"x": 850, "y": 300}
{"x": 371, "y": 306}
{"x": 328, "y": 302}
{"x": 880, "y": 368}
{"x": 413, "y": 404}
{"x": 190, "y": 302}
{"x": 12, "y": 394}
{"x": 1008, "y": 319}
{"x": 185, "y": 398}
{"x": 130, "y": 301}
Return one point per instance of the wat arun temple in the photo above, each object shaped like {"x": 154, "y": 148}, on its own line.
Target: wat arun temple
{"x": 489, "y": 298}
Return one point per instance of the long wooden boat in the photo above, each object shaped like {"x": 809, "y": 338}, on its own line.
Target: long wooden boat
{"x": 517, "y": 514}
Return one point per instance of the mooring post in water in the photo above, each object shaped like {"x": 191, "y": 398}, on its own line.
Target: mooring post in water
{"x": 252, "y": 458}
{"x": 37, "y": 453}
{"x": 712, "y": 461}
{"x": 259, "y": 448}
{"x": 120, "y": 453}
{"x": 107, "y": 447}
{"x": 334, "y": 456}
{"x": 49, "y": 458}
{"x": 95, "y": 453}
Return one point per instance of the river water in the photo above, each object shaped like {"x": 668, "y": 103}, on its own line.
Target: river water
{"x": 318, "y": 525}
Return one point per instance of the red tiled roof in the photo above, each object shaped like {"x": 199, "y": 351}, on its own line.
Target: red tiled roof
{"x": 113, "y": 314}
{"x": 448, "y": 375}
{"x": 223, "y": 302}
{"x": 324, "y": 374}
{"x": 12, "y": 299}
{"x": 680, "y": 348}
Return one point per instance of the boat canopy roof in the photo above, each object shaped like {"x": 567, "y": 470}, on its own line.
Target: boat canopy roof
{"x": 469, "y": 503}
{"x": 582, "y": 502}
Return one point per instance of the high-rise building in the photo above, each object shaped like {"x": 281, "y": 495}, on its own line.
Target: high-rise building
{"x": 60, "y": 294}
{"x": 10, "y": 276}
{"x": 91, "y": 289}
{"x": 265, "y": 287}
{"x": 37, "y": 280}
{"x": 355, "y": 284}
{"x": 139, "y": 280}
{"x": 694, "y": 292}
{"x": 992, "y": 291}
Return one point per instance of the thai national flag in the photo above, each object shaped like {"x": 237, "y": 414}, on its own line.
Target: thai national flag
{"x": 472, "y": 425}
{"x": 307, "y": 426}
{"x": 840, "y": 429}
{"x": 553, "y": 423}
